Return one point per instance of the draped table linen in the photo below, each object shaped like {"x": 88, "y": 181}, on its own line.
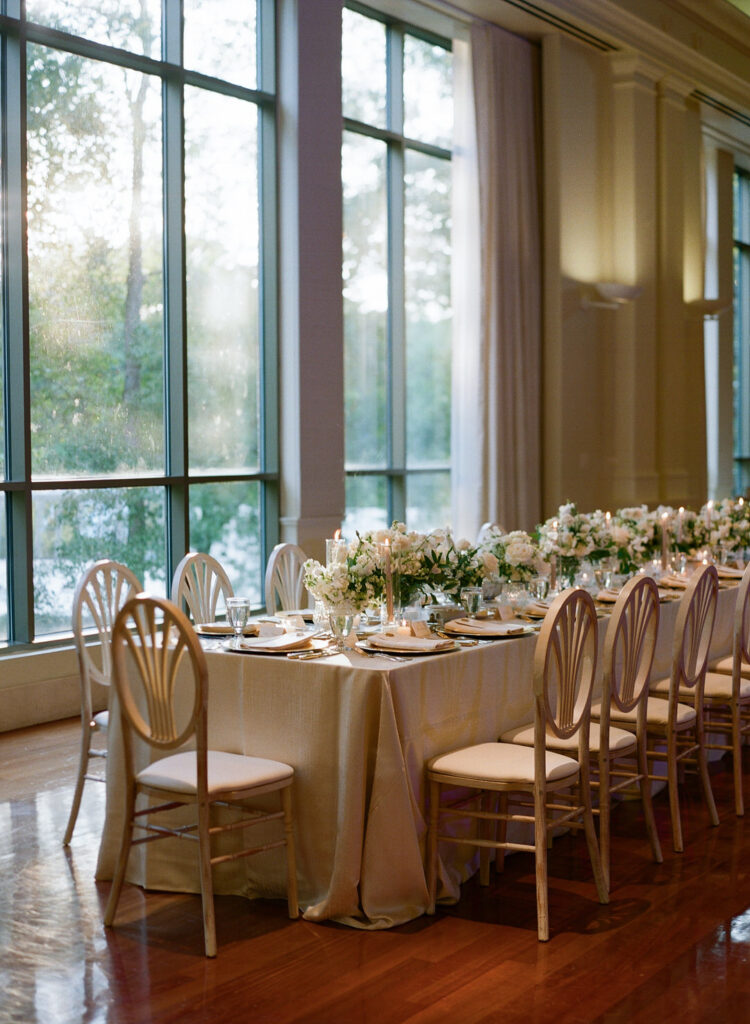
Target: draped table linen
{"x": 358, "y": 732}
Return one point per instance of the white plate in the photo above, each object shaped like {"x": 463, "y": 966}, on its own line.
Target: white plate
{"x": 503, "y": 631}
{"x": 399, "y": 652}
{"x": 265, "y": 645}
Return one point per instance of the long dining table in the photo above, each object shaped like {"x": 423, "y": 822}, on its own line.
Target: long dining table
{"x": 357, "y": 731}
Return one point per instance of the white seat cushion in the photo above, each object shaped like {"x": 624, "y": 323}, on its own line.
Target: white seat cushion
{"x": 657, "y": 711}
{"x": 725, "y": 665}
{"x": 620, "y": 741}
{"x": 717, "y": 685}
{"x": 501, "y": 762}
{"x": 226, "y": 772}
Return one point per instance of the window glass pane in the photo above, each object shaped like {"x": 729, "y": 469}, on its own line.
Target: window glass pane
{"x": 72, "y": 529}
{"x": 366, "y": 504}
{"x": 221, "y": 213}
{"x": 219, "y": 39}
{"x": 428, "y": 92}
{"x": 365, "y": 270}
{"x": 428, "y": 310}
{"x": 128, "y": 24}
{"x": 363, "y": 69}
{"x": 428, "y": 501}
{"x": 3, "y": 573}
{"x": 742, "y": 208}
{"x": 95, "y": 267}
{"x": 225, "y": 523}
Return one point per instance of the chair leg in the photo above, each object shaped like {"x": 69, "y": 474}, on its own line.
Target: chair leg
{"x": 540, "y": 857}
{"x": 739, "y": 801}
{"x": 83, "y": 762}
{"x": 122, "y": 859}
{"x": 648, "y": 804}
{"x": 604, "y": 818}
{"x": 708, "y": 792}
{"x": 207, "y": 884}
{"x": 674, "y": 794}
{"x": 602, "y": 889}
{"x": 432, "y": 831}
{"x": 291, "y": 861}
{"x": 502, "y": 831}
{"x": 484, "y": 833}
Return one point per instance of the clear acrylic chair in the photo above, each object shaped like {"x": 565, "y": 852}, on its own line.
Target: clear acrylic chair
{"x": 200, "y": 585}
{"x": 553, "y": 786}
{"x": 101, "y": 592}
{"x": 284, "y": 583}
{"x": 161, "y": 679}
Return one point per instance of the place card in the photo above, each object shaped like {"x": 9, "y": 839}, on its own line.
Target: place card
{"x": 505, "y": 612}
{"x": 420, "y": 628}
{"x": 269, "y": 629}
{"x": 294, "y": 624}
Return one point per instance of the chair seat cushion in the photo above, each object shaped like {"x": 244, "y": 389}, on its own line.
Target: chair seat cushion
{"x": 718, "y": 685}
{"x": 620, "y": 741}
{"x": 501, "y": 762}
{"x": 725, "y": 665}
{"x": 226, "y": 772}
{"x": 101, "y": 720}
{"x": 657, "y": 713}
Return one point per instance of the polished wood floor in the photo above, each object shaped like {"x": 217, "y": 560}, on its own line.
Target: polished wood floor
{"x": 673, "y": 944}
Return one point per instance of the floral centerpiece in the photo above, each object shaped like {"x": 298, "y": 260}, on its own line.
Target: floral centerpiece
{"x": 569, "y": 537}
{"x": 347, "y": 586}
{"x": 633, "y": 534}
{"x": 517, "y": 557}
{"x": 449, "y": 565}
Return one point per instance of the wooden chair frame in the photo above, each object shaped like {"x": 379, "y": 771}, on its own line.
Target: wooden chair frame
{"x": 198, "y": 584}
{"x": 684, "y": 742}
{"x": 564, "y": 669}
{"x": 101, "y": 591}
{"x": 728, "y": 714}
{"x": 628, "y": 657}
{"x": 151, "y": 641}
{"x": 284, "y": 582}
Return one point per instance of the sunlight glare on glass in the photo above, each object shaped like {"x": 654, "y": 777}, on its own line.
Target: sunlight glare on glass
{"x": 363, "y": 69}
{"x": 219, "y": 39}
{"x": 132, "y": 25}
{"x": 428, "y": 92}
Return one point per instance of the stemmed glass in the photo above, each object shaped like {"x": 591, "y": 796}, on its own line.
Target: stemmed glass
{"x": 341, "y": 624}
{"x": 471, "y": 599}
{"x": 238, "y": 612}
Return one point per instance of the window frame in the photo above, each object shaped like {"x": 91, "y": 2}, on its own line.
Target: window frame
{"x": 17, "y": 484}
{"x": 395, "y": 472}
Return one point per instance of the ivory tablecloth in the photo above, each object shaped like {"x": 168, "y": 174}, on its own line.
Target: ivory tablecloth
{"x": 357, "y": 732}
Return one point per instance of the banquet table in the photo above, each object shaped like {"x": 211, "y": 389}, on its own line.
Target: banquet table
{"x": 358, "y": 731}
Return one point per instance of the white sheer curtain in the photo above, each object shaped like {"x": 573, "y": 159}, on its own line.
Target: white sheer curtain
{"x": 496, "y": 456}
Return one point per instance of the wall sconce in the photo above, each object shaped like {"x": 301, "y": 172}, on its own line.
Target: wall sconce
{"x": 608, "y": 294}
{"x": 710, "y": 309}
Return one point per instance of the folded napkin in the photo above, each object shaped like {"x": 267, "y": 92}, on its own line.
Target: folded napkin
{"x": 303, "y": 613}
{"x": 484, "y": 627}
{"x": 402, "y": 642}
{"x": 608, "y": 595}
{"x": 284, "y": 642}
{"x": 672, "y": 579}
{"x": 536, "y": 609}
{"x": 729, "y": 572}
{"x": 224, "y": 629}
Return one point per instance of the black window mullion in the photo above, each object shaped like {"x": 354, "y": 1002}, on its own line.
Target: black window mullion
{"x": 175, "y": 317}
{"x": 16, "y": 337}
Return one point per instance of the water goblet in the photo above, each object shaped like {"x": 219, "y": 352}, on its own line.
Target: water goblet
{"x": 540, "y": 587}
{"x": 341, "y": 624}
{"x": 471, "y": 599}
{"x": 238, "y": 612}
